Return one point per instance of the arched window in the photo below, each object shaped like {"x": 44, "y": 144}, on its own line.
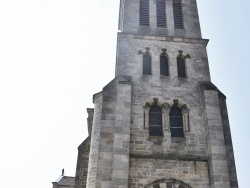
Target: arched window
{"x": 155, "y": 121}
{"x": 161, "y": 13}
{"x": 181, "y": 67}
{"x": 176, "y": 122}
{"x": 178, "y": 19}
{"x": 146, "y": 64}
{"x": 144, "y": 12}
{"x": 164, "y": 66}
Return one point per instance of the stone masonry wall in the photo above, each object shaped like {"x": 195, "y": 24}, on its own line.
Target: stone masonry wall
{"x": 94, "y": 146}
{"x": 109, "y": 153}
{"x": 102, "y": 138}
{"x": 82, "y": 164}
{"x": 165, "y": 87}
{"x": 192, "y": 147}
{"x": 122, "y": 135}
{"x": 144, "y": 171}
{"x": 228, "y": 143}
{"x": 129, "y": 19}
{"x": 105, "y": 131}
{"x": 216, "y": 149}
{"x": 129, "y": 62}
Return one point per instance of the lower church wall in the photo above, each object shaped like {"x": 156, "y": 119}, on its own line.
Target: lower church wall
{"x": 144, "y": 171}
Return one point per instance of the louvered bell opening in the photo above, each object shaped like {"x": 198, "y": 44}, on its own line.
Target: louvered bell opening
{"x": 161, "y": 13}
{"x": 146, "y": 65}
{"x": 178, "y": 19}
{"x": 181, "y": 67}
{"x": 155, "y": 121}
{"x": 164, "y": 65}
{"x": 144, "y": 12}
{"x": 176, "y": 122}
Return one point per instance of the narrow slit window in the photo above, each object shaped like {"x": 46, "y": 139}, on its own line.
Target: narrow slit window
{"x": 176, "y": 122}
{"x": 144, "y": 12}
{"x": 161, "y": 13}
{"x": 181, "y": 67}
{"x": 164, "y": 66}
{"x": 146, "y": 64}
{"x": 155, "y": 121}
{"x": 178, "y": 17}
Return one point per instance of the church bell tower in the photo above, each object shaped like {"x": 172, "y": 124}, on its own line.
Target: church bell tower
{"x": 161, "y": 122}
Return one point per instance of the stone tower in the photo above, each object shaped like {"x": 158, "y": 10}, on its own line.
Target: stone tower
{"x": 160, "y": 123}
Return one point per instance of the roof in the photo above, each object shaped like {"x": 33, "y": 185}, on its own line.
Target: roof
{"x": 65, "y": 181}
{"x": 207, "y": 85}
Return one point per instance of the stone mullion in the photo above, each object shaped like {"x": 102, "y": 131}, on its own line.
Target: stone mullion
{"x": 165, "y": 118}
{"x": 185, "y": 115}
{"x": 146, "y": 120}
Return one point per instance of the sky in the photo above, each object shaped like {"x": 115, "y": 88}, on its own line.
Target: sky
{"x": 50, "y": 67}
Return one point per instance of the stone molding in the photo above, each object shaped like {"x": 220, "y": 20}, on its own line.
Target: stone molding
{"x": 96, "y": 96}
{"x": 124, "y": 80}
{"x": 146, "y": 52}
{"x": 168, "y": 183}
{"x": 183, "y": 56}
{"x": 171, "y": 156}
{"x": 90, "y": 112}
{"x": 162, "y": 38}
{"x": 164, "y": 53}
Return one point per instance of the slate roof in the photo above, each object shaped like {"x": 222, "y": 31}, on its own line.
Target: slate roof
{"x": 65, "y": 181}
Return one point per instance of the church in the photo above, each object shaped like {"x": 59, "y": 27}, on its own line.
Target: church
{"x": 161, "y": 122}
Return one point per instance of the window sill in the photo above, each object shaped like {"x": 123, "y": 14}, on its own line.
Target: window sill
{"x": 164, "y": 77}
{"x": 182, "y": 78}
{"x": 178, "y": 139}
{"x": 156, "y": 139}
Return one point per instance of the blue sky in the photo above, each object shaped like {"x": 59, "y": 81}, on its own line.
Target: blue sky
{"x": 49, "y": 71}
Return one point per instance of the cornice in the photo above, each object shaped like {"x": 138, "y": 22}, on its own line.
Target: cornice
{"x": 164, "y": 38}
